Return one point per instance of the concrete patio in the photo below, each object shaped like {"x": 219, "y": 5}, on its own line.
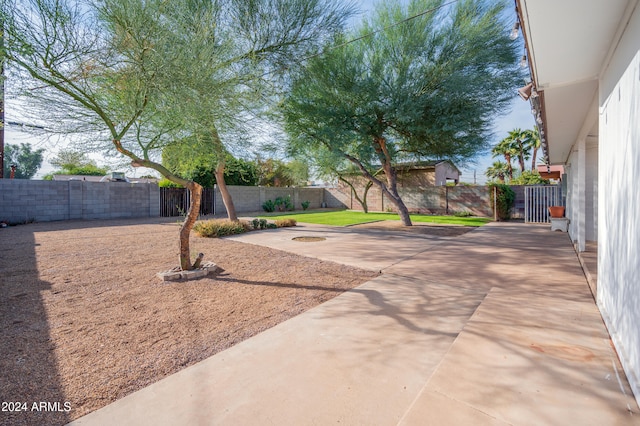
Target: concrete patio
{"x": 496, "y": 327}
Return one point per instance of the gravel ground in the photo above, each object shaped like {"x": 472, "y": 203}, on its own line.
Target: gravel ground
{"x": 84, "y": 321}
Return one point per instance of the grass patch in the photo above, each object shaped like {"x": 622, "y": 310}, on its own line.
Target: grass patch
{"x": 347, "y": 217}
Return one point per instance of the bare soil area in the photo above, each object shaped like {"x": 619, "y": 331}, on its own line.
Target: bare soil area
{"x": 84, "y": 321}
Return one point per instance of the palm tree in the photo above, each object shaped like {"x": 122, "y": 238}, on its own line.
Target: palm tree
{"x": 498, "y": 170}
{"x": 532, "y": 143}
{"x": 506, "y": 149}
{"x": 518, "y": 137}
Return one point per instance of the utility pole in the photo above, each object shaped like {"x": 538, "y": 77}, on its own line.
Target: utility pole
{"x": 1, "y": 98}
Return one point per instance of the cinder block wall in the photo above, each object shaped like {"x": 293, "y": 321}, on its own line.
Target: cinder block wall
{"x": 42, "y": 201}
{"x": 250, "y": 198}
{"x": 428, "y": 199}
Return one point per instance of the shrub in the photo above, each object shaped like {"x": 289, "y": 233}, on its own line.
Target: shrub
{"x": 166, "y": 183}
{"x": 220, "y": 228}
{"x": 505, "y": 199}
{"x": 259, "y": 224}
{"x": 284, "y": 223}
{"x": 271, "y": 226}
{"x": 269, "y": 206}
{"x": 463, "y": 213}
{"x": 305, "y": 204}
{"x": 284, "y": 203}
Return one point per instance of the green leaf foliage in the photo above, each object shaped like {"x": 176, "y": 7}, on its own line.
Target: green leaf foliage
{"x": 504, "y": 198}
{"x": 26, "y": 160}
{"x": 428, "y": 88}
{"x": 431, "y": 86}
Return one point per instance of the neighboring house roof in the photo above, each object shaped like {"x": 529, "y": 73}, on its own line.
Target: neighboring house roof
{"x": 424, "y": 165}
{"x": 77, "y": 177}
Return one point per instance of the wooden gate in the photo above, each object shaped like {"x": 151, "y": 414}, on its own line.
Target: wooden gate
{"x": 536, "y": 200}
{"x": 175, "y": 201}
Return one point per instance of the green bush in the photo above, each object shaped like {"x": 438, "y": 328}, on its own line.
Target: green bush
{"x": 305, "y": 204}
{"x": 259, "y": 224}
{"x": 505, "y": 199}
{"x": 463, "y": 213}
{"x": 220, "y": 228}
{"x": 269, "y": 206}
{"x": 284, "y": 204}
{"x": 284, "y": 223}
{"x": 166, "y": 183}
{"x": 280, "y": 203}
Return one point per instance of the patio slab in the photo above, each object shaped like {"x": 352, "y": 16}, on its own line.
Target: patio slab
{"x": 360, "y": 358}
{"x": 494, "y": 327}
{"x": 529, "y": 361}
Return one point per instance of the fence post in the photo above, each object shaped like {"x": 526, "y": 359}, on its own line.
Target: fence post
{"x": 495, "y": 203}
{"x": 446, "y": 199}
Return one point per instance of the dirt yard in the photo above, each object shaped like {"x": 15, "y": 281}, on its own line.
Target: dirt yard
{"x": 84, "y": 321}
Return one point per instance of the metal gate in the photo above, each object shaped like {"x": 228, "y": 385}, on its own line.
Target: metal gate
{"x": 536, "y": 200}
{"x": 175, "y": 201}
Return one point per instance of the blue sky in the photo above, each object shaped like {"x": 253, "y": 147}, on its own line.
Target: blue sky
{"x": 519, "y": 116}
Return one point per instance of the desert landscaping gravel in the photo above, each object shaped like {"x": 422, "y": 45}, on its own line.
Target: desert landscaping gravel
{"x": 84, "y": 321}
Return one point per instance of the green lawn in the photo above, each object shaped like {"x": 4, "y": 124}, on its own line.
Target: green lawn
{"x": 347, "y": 217}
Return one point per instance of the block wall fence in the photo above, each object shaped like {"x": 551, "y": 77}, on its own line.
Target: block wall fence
{"x": 42, "y": 201}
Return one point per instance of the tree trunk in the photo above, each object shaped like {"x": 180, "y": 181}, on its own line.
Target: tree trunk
{"x": 224, "y": 191}
{"x": 391, "y": 191}
{"x": 365, "y": 206}
{"x": 507, "y": 158}
{"x": 392, "y": 184}
{"x": 363, "y": 200}
{"x": 195, "y": 192}
{"x": 533, "y": 159}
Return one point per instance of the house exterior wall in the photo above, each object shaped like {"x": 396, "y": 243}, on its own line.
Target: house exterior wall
{"x": 618, "y": 292}
{"x": 446, "y": 171}
{"x": 418, "y": 177}
{"x": 591, "y": 191}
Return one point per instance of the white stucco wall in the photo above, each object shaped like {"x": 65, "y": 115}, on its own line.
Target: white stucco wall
{"x": 591, "y": 191}
{"x": 619, "y": 200}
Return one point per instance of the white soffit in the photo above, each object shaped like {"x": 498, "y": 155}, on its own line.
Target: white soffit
{"x": 569, "y": 39}
{"x": 568, "y": 42}
{"x": 566, "y": 110}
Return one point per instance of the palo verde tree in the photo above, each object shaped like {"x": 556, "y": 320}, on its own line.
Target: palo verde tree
{"x": 332, "y": 166}
{"x": 238, "y": 69}
{"x": 422, "y": 82}
{"x": 132, "y": 76}
{"x": 94, "y": 69}
{"x": 180, "y": 159}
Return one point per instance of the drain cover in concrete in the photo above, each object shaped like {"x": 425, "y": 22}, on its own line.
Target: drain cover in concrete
{"x": 308, "y": 239}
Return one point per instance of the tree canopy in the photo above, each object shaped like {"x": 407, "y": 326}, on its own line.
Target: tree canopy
{"x": 519, "y": 145}
{"x": 26, "y": 159}
{"x": 134, "y": 76}
{"x": 410, "y": 89}
{"x": 179, "y": 157}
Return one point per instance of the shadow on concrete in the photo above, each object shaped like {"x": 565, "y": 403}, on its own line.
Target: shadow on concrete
{"x": 29, "y": 377}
